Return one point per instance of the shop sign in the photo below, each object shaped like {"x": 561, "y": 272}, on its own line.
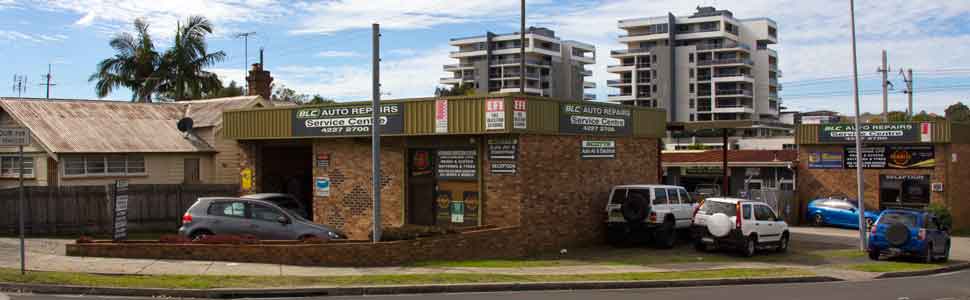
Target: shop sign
{"x": 702, "y": 171}
{"x": 352, "y": 120}
{"x": 457, "y": 212}
{"x": 457, "y": 164}
{"x": 519, "y": 117}
{"x": 878, "y": 132}
{"x": 594, "y": 119}
{"x": 937, "y": 186}
{"x": 495, "y": 114}
{"x": 120, "y": 228}
{"x": 443, "y": 207}
{"x": 598, "y": 149}
{"x": 321, "y": 186}
{"x": 503, "y": 155}
{"x": 323, "y": 160}
{"x": 892, "y": 157}
{"x": 752, "y": 172}
{"x": 421, "y": 163}
{"x": 904, "y": 190}
{"x": 825, "y": 160}
{"x": 441, "y": 116}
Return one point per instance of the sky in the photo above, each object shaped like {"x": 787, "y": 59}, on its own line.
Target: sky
{"x": 324, "y": 47}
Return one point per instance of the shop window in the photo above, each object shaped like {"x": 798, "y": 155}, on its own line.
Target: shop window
{"x": 104, "y": 165}
{"x": 10, "y": 166}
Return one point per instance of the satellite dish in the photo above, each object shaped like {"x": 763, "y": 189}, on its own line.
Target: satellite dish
{"x": 185, "y": 124}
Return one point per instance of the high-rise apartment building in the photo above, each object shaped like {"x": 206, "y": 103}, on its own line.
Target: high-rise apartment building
{"x": 555, "y": 68}
{"x": 708, "y": 66}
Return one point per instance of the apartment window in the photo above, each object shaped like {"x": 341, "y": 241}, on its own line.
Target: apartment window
{"x": 10, "y": 166}
{"x": 692, "y": 105}
{"x": 692, "y": 117}
{"x": 691, "y": 87}
{"x": 789, "y": 147}
{"x": 691, "y": 72}
{"x": 655, "y": 88}
{"x": 104, "y": 165}
{"x": 690, "y": 57}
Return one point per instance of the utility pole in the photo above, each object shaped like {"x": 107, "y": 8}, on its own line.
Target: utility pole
{"x": 19, "y": 84}
{"x": 48, "y": 77}
{"x": 885, "y": 85}
{"x": 376, "y": 130}
{"x": 245, "y": 36}
{"x": 522, "y": 50}
{"x": 858, "y": 137}
{"x": 908, "y": 78}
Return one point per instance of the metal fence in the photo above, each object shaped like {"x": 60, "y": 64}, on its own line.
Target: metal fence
{"x": 87, "y": 209}
{"x": 785, "y": 203}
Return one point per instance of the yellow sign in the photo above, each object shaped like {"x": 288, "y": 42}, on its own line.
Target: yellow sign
{"x": 246, "y": 176}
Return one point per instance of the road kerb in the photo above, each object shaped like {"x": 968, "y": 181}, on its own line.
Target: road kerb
{"x": 945, "y": 269}
{"x": 392, "y": 290}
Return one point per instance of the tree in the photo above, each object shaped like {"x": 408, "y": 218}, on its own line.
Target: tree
{"x": 317, "y": 99}
{"x": 958, "y": 113}
{"x": 183, "y": 64}
{"x": 923, "y": 116}
{"x": 896, "y": 116}
{"x": 286, "y": 94}
{"x": 457, "y": 90}
{"x": 231, "y": 90}
{"x": 134, "y": 66}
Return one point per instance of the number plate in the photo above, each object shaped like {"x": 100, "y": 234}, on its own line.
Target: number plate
{"x": 616, "y": 214}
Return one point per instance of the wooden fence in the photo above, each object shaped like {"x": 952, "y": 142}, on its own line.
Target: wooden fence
{"x": 88, "y": 209}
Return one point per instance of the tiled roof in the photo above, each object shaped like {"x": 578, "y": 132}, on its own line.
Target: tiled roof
{"x": 95, "y": 126}
{"x": 734, "y": 156}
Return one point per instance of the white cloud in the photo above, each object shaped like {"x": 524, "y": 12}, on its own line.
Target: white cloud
{"x": 13, "y": 35}
{"x": 334, "y": 16}
{"x": 333, "y": 53}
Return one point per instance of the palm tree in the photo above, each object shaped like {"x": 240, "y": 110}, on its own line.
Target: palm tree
{"x": 134, "y": 66}
{"x": 183, "y": 64}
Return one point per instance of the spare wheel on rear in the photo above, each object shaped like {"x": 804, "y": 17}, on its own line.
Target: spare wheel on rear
{"x": 719, "y": 225}
{"x": 636, "y": 207}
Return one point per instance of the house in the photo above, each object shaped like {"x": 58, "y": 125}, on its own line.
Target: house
{"x": 94, "y": 142}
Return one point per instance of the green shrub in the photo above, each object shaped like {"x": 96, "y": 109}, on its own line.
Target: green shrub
{"x": 942, "y": 213}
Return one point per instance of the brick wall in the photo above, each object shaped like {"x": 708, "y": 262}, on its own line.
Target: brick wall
{"x": 350, "y": 204}
{"x": 564, "y": 197}
{"x": 957, "y": 189}
{"x": 482, "y": 244}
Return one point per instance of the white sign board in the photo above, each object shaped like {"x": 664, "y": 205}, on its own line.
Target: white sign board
{"x": 519, "y": 120}
{"x": 14, "y": 136}
{"x": 494, "y": 114}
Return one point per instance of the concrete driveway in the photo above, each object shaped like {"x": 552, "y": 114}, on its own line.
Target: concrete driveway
{"x": 959, "y": 249}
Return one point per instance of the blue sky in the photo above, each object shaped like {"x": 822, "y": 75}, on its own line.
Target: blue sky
{"x": 323, "y": 47}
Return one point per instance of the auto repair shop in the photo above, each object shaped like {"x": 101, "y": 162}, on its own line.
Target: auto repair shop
{"x": 905, "y": 164}
{"x": 543, "y": 165}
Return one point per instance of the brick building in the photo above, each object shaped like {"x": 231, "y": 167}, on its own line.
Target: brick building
{"x": 542, "y": 165}
{"x": 905, "y": 164}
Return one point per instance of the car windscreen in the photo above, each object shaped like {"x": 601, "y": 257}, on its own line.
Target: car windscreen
{"x": 898, "y": 218}
{"x": 713, "y": 207}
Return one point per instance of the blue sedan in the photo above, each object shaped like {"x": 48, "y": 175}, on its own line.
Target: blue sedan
{"x": 837, "y": 212}
{"x": 911, "y": 233}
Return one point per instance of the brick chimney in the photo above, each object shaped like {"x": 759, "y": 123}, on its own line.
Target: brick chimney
{"x": 259, "y": 80}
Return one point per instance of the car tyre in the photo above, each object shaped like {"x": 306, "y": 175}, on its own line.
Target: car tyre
{"x": 700, "y": 246}
{"x": 946, "y": 255}
{"x": 666, "y": 236}
{"x": 198, "y": 235}
{"x": 783, "y": 243}
{"x": 874, "y": 254}
{"x": 818, "y": 220}
{"x": 750, "y": 247}
{"x": 928, "y": 258}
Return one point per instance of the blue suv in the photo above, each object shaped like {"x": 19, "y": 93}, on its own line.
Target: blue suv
{"x": 911, "y": 233}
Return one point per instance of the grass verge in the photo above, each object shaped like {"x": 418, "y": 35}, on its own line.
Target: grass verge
{"x": 888, "y": 266}
{"x": 209, "y": 282}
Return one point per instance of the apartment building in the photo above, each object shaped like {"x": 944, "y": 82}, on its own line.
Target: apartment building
{"x": 708, "y": 66}
{"x": 554, "y": 67}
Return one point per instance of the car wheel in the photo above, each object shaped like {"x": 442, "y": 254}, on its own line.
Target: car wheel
{"x": 783, "y": 243}
{"x": 700, "y": 246}
{"x": 874, "y": 254}
{"x": 946, "y": 254}
{"x": 666, "y": 236}
{"x": 750, "y": 246}
{"x": 928, "y": 258}
{"x": 199, "y": 235}
{"x": 818, "y": 220}
{"x": 616, "y": 237}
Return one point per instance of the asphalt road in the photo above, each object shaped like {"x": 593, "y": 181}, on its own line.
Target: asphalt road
{"x": 935, "y": 287}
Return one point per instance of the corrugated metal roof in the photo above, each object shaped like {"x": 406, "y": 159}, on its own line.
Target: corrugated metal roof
{"x": 94, "y": 126}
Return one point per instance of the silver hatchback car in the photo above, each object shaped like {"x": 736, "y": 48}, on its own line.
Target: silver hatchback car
{"x": 238, "y": 216}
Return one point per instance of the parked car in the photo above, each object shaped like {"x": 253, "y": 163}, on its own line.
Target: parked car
{"x": 655, "y": 212}
{"x": 910, "y": 233}
{"x": 236, "y": 216}
{"x": 286, "y": 201}
{"x": 707, "y": 190}
{"x": 740, "y": 224}
{"x": 838, "y": 212}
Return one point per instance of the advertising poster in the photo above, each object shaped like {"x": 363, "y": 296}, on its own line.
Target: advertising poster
{"x": 471, "y": 208}
{"x": 459, "y": 164}
{"x": 594, "y": 119}
{"x": 353, "y": 120}
{"x": 457, "y": 212}
{"x": 598, "y": 150}
{"x": 321, "y": 186}
{"x": 519, "y": 117}
{"x": 421, "y": 163}
{"x": 892, "y": 157}
{"x": 495, "y": 114}
{"x": 120, "y": 228}
{"x": 443, "y": 208}
{"x": 878, "y": 132}
{"x": 825, "y": 160}
{"x": 503, "y": 155}
{"x": 441, "y": 116}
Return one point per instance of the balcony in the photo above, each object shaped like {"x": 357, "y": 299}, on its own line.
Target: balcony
{"x": 630, "y": 51}
{"x": 726, "y": 61}
{"x": 516, "y": 61}
{"x": 704, "y": 77}
{"x": 615, "y": 82}
{"x": 455, "y": 67}
{"x": 729, "y": 45}
{"x": 589, "y": 85}
{"x": 734, "y": 92}
{"x": 773, "y": 81}
{"x": 734, "y": 77}
{"x": 589, "y": 96}
{"x": 648, "y": 32}
{"x": 586, "y": 73}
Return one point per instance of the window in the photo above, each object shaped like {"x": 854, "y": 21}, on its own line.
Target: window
{"x": 691, "y": 88}
{"x": 692, "y": 117}
{"x": 746, "y": 211}
{"x": 228, "y": 209}
{"x": 266, "y": 213}
{"x": 763, "y": 213}
{"x": 685, "y": 197}
{"x": 691, "y": 72}
{"x": 714, "y": 207}
{"x": 898, "y": 218}
{"x": 673, "y": 196}
{"x": 619, "y": 195}
{"x": 690, "y": 57}
{"x": 660, "y": 196}
{"x": 10, "y": 166}
{"x": 104, "y": 165}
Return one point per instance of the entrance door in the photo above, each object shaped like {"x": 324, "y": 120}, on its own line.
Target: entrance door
{"x": 191, "y": 169}
{"x": 421, "y": 208}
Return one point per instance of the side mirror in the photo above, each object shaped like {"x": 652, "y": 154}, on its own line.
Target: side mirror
{"x": 283, "y": 220}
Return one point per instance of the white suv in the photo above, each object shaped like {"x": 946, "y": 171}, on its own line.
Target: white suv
{"x": 740, "y": 224}
{"x": 637, "y": 212}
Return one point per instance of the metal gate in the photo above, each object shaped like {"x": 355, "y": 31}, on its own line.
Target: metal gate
{"x": 783, "y": 202}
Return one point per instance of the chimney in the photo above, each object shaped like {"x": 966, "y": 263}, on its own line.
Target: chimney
{"x": 259, "y": 80}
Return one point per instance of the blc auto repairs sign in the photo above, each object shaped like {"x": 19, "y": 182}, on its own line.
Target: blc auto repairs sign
{"x": 593, "y": 118}
{"x": 877, "y": 132}
{"x": 352, "y": 120}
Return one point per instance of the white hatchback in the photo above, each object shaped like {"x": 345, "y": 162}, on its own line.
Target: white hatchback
{"x": 740, "y": 224}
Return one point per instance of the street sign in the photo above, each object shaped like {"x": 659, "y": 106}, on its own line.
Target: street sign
{"x": 14, "y": 136}
{"x": 121, "y": 210}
